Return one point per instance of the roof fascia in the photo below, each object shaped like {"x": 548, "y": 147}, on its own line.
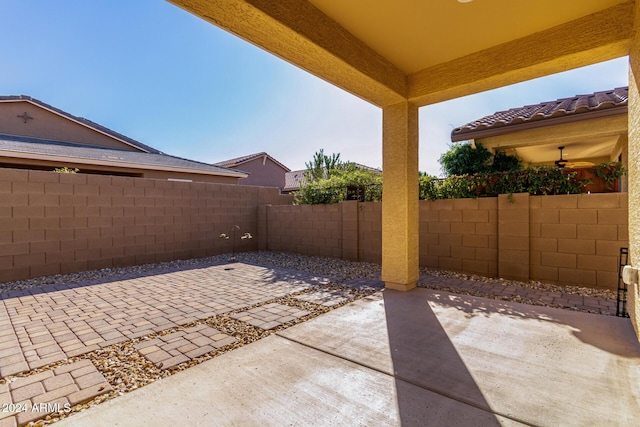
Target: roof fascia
{"x": 507, "y": 129}
{"x": 69, "y": 117}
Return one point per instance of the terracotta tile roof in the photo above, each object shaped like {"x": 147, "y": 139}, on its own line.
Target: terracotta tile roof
{"x": 232, "y": 163}
{"x": 605, "y": 102}
{"x": 136, "y": 144}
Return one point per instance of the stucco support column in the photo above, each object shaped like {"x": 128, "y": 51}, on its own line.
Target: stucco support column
{"x": 400, "y": 240}
{"x": 633, "y": 296}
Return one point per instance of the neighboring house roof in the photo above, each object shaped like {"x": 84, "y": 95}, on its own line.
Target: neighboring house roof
{"x": 232, "y": 163}
{"x": 295, "y": 179}
{"x": 66, "y": 152}
{"x": 82, "y": 121}
{"x": 579, "y": 107}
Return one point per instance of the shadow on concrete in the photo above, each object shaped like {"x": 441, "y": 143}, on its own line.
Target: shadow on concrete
{"x": 423, "y": 355}
{"x": 614, "y": 335}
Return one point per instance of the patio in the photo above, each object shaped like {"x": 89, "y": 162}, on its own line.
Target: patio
{"x": 54, "y": 337}
{"x": 379, "y": 356}
{"x": 425, "y": 358}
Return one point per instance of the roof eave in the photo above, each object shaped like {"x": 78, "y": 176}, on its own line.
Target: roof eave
{"x": 536, "y": 124}
{"x": 122, "y": 164}
{"x": 233, "y": 164}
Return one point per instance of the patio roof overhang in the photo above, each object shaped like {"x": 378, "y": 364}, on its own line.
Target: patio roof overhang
{"x": 427, "y": 52}
{"x": 405, "y": 54}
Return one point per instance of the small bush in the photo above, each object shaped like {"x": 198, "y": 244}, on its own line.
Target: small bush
{"x": 65, "y": 169}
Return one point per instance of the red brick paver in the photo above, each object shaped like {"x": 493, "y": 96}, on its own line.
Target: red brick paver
{"x": 33, "y": 397}
{"x": 270, "y": 315}
{"x": 181, "y": 346}
{"x": 12, "y": 359}
{"x": 54, "y": 323}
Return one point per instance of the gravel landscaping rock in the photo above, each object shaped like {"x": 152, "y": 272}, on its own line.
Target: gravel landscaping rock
{"x": 341, "y": 269}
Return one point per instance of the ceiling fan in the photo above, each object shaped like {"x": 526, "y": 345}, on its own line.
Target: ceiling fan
{"x": 561, "y": 163}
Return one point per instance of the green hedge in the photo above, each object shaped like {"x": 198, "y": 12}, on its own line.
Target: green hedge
{"x": 349, "y": 184}
{"x": 535, "y": 181}
{"x": 366, "y": 186}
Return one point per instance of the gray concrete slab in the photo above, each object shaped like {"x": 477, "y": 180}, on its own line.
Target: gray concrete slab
{"x": 275, "y": 382}
{"x": 539, "y": 365}
{"x": 418, "y": 358}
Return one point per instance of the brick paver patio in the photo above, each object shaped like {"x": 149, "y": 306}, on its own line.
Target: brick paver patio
{"x": 49, "y": 325}
{"x": 34, "y": 397}
{"x": 43, "y": 328}
{"x": 181, "y": 346}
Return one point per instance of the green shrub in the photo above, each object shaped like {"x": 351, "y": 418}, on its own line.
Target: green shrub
{"x": 503, "y": 162}
{"x": 428, "y": 187}
{"x": 463, "y": 159}
{"x": 347, "y": 183}
{"x": 609, "y": 172}
{"x": 65, "y": 169}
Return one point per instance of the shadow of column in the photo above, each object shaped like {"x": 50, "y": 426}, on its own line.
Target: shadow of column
{"x": 433, "y": 385}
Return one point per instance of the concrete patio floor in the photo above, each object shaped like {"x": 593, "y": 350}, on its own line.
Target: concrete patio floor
{"x": 414, "y": 359}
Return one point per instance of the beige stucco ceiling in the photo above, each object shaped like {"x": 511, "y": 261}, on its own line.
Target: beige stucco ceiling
{"x": 416, "y": 34}
{"x": 586, "y": 137}
{"x": 594, "y": 150}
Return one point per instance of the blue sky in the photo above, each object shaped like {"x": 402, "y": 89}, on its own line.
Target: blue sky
{"x": 155, "y": 73}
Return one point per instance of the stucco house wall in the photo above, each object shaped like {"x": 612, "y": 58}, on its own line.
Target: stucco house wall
{"x": 262, "y": 172}
{"x": 48, "y": 125}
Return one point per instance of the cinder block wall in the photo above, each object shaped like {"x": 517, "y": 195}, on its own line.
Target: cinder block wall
{"x": 54, "y": 223}
{"x": 514, "y": 237}
{"x": 305, "y": 229}
{"x": 370, "y": 232}
{"x": 459, "y": 234}
{"x": 571, "y": 240}
{"x": 576, "y": 239}
{"x": 62, "y": 223}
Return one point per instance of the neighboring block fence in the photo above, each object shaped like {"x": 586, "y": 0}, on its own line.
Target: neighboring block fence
{"x": 572, "y": 239}
{"x": 54, "y": 223}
